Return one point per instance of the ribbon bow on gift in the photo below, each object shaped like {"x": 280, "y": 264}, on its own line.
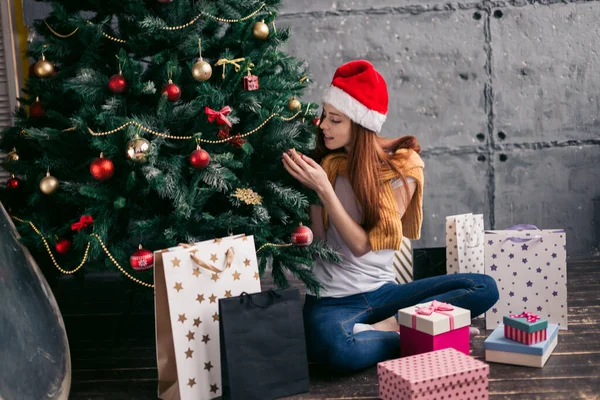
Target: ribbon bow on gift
{"x": 220, "y": 116}
{"x": 84, "y": 221}
{"x": 531, "y": 317}
{"x": 435, "y": 306}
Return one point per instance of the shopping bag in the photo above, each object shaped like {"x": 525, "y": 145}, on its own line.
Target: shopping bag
{"x": 263, "y": 350}
{"x": 402, "y": 263}
{"x": 530, "y": 269}
{"x": 464, "y": 244}
{"x": 189, "y": 281}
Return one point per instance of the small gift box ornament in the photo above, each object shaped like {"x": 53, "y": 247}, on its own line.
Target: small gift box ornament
{"x": 434, "y": 326}
{"x": 526, "y": 328}
{"x": 443, "y": 374}
{"x": 251, "y": 82}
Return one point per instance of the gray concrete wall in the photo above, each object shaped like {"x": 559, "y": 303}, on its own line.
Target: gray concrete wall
{"x": 503, "y": 96}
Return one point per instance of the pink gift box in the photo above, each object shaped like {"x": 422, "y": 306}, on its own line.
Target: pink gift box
{"x": 448, "y": 373}
{"x": 434, "y": 326}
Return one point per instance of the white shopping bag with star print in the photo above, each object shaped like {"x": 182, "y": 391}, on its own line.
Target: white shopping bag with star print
{"x": 464, "y": 243}
{"x": 189, "y": 280}
{"x": 530, "y": 269}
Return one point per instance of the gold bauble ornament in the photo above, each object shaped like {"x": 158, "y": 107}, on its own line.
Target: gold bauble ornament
{"x": 260, "y": 30}
{"x": 201, "y": 71}
{"x": 12, "y": 155}
{"x": 49, "y": 184}
{"x": 43, "y": 68}
{"x": 138, "y": 149}
{"x": 294, "y": 104}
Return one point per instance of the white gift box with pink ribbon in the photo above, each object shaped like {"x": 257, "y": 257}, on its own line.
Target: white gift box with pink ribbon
{"x": 434, "y": 326}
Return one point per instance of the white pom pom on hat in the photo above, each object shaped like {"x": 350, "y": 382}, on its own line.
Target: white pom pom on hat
{"x": 360, "y": 92}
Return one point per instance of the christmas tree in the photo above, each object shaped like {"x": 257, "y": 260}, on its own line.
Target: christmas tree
{"x": 149, "y": 123}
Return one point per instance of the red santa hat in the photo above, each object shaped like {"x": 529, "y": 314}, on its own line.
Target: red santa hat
{"x": 360, "y": 92}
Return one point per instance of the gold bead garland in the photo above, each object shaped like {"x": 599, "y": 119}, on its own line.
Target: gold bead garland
{"x": 166, "y": 28}
{"x": 273, "y": 245}
{"x": 68, "y": 35}
{"x": 64, "y": 271}
{"x": 146, "y": 129}
{"x": 110, "y": 256}
{"x": 87, "y": 249}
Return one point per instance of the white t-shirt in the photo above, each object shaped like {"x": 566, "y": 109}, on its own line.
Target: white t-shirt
{"x": 354, "y": 274}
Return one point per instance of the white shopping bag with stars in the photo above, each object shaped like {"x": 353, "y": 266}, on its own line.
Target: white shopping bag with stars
{"x": 194, "y": 277}
{"x": 530, "y": 269}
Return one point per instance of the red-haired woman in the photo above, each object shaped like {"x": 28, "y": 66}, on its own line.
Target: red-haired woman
{"x": 371, "y": 193}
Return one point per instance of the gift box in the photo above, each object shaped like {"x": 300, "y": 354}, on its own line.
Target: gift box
{"x": 433, "y": 326}
{"x": 440, "y": 374}
{"x": 499, "y": 349}
{"x": 527, "y": 328}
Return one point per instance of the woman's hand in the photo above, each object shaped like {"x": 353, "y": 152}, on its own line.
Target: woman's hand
{"x": 306, "y": 171}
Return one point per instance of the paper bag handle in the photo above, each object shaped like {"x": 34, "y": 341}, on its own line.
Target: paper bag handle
{"x": 478, "y": 237}
{"x": 523, "y": 227}
{"x": 523, "y": 240}
{"x": 229, "y": 255}
{"x": 272, "y": 295}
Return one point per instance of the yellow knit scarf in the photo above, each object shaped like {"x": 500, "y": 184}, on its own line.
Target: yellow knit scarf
{"x": 388, "y": 232}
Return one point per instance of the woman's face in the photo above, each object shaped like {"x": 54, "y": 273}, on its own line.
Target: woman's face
{"x": 336, "y": 128}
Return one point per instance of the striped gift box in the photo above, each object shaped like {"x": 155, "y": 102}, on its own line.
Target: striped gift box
{"x": 403, "y": 262}
{"x": 524, "y": 337}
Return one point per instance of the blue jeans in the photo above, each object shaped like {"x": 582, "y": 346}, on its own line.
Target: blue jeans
{"x": 329, "y": 321}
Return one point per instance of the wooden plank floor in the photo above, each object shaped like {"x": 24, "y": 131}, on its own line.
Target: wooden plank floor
{"x": 114, "y": 358}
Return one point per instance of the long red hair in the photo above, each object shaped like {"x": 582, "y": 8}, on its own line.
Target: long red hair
{"x": 369, "y": 152}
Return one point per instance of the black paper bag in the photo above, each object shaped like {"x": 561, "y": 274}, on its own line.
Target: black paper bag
{"x": 263, "y": 352}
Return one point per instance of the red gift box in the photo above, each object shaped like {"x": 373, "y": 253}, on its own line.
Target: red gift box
{"x": 251, "y": 82}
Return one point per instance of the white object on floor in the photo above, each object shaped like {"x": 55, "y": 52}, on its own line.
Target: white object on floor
{"x": 473, "y": 331}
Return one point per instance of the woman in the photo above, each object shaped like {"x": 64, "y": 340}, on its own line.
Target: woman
{"x": 371, "y": 194}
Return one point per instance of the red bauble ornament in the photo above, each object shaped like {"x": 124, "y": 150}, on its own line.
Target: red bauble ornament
{"x": 316, "y": 121}
{"x": 172, "y": 91}
{"x": 302, "y": 236}
{"x": 37, "y": 110}
{"x": 13, "y": 182}
{"x": 199, "y": 158}
{"x": 141, "y": 259}
{"x": 117, "y": 83}
{"x": 102, "y": 168}
{"x": 63, "y": 246}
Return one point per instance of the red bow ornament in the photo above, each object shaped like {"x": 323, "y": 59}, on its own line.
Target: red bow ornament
{"x": 219, "y": 116}
{"x": 84, "y": 221}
